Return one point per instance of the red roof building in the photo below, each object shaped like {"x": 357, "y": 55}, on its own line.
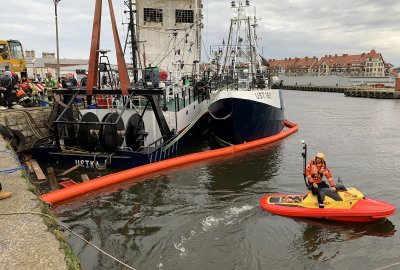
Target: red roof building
{"x": 361, "y": 65}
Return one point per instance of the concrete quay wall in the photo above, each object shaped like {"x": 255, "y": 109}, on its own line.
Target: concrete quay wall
{"x": 30, "y": 121}
{"x": 381, "y": 93}
{"x": 316, "y": 88}
{"x": 26, "y": 242}
{"x": 365, "y": 92}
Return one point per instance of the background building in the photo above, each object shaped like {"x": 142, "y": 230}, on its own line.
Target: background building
{"x": 169, "y": 31}
{"x": 48, "y": 63}
{"x": 369, "y": 64}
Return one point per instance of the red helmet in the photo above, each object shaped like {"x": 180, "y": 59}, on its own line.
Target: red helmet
{"x": 163, "y": 75}
{"x": 48, "y": 74}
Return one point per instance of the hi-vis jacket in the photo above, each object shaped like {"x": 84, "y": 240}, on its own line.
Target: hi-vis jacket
{"x": 49, "y": 84}
{"x": 316, "y": 171}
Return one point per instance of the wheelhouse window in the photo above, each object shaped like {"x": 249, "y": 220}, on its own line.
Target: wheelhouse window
{"x": 16, "y": 50}
{"x": 184, "y": 16}
{"x": 153, "y": 15}
{"x": 4, "y": 51}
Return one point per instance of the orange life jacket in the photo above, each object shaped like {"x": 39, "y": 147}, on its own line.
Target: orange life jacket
{"x": 22, "y": 97}
{"x": 316, "y": 171}
{"x": 20, "y": 93}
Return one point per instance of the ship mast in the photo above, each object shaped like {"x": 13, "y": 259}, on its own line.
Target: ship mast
{"x": 237, "y": 23}
{"x": 132, "y": 35}
{"x": 197, "y": 38}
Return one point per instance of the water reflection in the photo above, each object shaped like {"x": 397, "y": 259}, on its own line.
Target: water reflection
{"x": 117, "y": 222}
{"x": 316, "y": 235}
{"x": 244, "y": 169}
{"x": 187, "y": 217}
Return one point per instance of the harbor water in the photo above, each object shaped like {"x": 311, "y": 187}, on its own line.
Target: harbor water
{"x": 207, "y": 216}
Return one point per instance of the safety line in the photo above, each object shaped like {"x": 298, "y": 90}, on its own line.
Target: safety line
{"x": 71, "y": 231}
{"x": 17, "y": 159}
{"x": 387, "y": 266}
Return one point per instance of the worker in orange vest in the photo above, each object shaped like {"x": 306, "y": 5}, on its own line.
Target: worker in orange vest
{"x": 26, "y": 86}
{"x": 315, "y": 171}
{"x": 23, "y": 99}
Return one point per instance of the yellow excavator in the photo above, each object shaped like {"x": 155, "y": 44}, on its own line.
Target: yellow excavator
{"x": 12, "y": 57}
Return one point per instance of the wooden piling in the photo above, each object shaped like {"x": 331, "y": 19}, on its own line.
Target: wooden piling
{"x": 85, "y": 177}
{"x": 52, "y": 178}
{"x": 69, "y": 170}
{"x": 30, "y": 168}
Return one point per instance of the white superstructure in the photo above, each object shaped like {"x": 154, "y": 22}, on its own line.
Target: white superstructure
{"x": 168, "y": 32}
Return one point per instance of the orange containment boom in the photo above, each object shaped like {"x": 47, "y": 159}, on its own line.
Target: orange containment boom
{"x": 101, "y": 182}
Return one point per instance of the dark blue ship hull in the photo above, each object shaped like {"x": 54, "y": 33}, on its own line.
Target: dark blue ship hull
{"x": 235, "y": 121}
{"x": 120, "y": 159}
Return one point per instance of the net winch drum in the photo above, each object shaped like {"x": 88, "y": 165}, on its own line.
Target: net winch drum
{"x": 88, "y": 134}
{"x": 135, "y": 132}
{"x": 112, "y": 136}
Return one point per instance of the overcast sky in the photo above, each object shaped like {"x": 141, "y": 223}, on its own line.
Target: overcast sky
{"x": 288, "y": 28}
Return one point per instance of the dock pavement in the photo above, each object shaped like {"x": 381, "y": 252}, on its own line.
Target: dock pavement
{"x": 25, "y": 240}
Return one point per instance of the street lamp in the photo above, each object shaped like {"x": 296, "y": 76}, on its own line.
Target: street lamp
{"x": 58, "y": 49}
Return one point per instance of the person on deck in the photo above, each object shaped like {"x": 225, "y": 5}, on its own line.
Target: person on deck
{"x": 315, "y": 171}
{"x": 38, "y": 78}
{"x": 84, "y": 80}
{"x": 73, "y": 81}
{"x": 26, "y": 86}
{"x": 23, "y": 99}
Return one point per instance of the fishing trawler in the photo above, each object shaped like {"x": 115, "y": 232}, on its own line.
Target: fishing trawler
{"x": 245, "y": 108}
{"x": 128, "y": 123}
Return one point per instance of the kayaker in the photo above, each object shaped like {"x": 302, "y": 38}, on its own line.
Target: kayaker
{"x": 315, "y": 171}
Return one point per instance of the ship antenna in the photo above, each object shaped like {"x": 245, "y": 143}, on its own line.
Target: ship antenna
{"x": 304, "y": 155}
{"x": 131, "y": 38}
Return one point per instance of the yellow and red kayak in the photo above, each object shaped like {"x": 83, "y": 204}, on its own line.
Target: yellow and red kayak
{"x": 343, "y": 205}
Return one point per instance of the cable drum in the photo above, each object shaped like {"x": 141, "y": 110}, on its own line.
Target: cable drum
{"x": 88, "y": 134}
{"x": 135, "y": 132}
{"x": 111, "y": 136}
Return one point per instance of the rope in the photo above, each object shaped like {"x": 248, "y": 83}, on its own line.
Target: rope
{"x": 220, "y": 118}
{"x": 162, "y": 54}
{"x": 71, "y": 231}
{"x": 32, "y": 124}
{"x": 387, "y": 266}
{"x": 41, "y": 134}
{"x": 76, "y": 150}
{"x": 13, "y": 169}
{"x": 17, "y": 159}
{"x": 204, "y": 46}
{"x": 167, "y": 53}
{"x": 109, "y": 159}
